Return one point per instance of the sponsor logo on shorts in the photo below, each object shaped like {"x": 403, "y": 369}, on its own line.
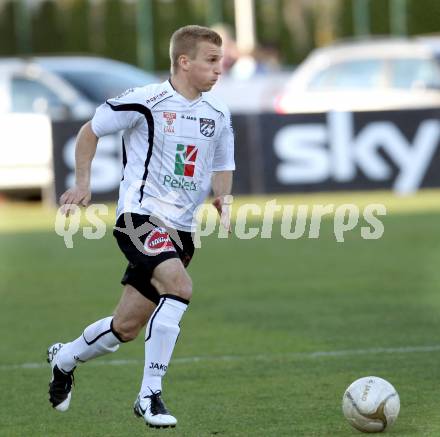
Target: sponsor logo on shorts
{"x": 158, "y": 241}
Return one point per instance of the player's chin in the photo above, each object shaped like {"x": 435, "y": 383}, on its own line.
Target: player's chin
{"x": 208, "y": 86}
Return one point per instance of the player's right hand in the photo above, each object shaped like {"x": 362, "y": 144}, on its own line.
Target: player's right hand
{"x": 74, "y": 196}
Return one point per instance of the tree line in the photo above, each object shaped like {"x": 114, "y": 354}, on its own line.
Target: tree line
{"x": 108, "y": 27}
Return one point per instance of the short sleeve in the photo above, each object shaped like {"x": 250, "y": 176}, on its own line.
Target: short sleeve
{"x": 224, "y": 152}
{"x": 116, "y": 114}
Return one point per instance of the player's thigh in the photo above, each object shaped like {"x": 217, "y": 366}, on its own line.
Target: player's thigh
{"x": 170, "y": 277}
{"x": 131, "y": 313}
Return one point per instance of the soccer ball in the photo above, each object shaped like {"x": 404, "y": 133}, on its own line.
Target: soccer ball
{"x": 371, "y": 404}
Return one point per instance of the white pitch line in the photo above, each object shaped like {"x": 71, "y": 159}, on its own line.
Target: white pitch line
{"x": 260, "y": 357}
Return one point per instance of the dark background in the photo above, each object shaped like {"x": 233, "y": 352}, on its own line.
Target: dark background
{"x": 255, "y": 158}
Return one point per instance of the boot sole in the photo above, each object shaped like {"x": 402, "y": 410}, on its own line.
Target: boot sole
{"x": 137, "y": 414}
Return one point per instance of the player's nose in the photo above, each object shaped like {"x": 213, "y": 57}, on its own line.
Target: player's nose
{"x": 217, "y": 69}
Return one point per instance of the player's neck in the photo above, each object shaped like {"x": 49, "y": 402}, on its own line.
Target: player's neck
{"x": 184, "y": 88}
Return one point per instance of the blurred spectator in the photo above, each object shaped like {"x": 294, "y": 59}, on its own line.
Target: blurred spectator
{"x": 262, "y": 60}
{"x": 230, "y": 50}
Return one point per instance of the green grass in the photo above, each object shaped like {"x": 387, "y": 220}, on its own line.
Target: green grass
{"x": 261, "y": 307}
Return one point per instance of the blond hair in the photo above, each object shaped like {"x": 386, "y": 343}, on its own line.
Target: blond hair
{"x": 184, "y": 41}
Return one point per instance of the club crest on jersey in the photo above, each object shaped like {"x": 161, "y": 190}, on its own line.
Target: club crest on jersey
{"x": 207, "y": 127}
{"x": 158, "y": 241}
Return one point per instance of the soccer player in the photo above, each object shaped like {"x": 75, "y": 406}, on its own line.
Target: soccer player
{"x": 177, "y": 145}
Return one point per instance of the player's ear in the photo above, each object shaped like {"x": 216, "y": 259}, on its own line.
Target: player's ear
{"x": 184, "y": 62}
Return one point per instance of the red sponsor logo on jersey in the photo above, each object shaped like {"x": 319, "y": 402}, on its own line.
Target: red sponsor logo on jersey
{"x": 158, "y": 241}
{"x": 170, "y": 117}
{"x": 168, "y": 128}
{"x": 185, "y": 162}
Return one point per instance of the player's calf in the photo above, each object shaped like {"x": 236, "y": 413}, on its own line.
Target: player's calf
{"x": 97, "y": 339}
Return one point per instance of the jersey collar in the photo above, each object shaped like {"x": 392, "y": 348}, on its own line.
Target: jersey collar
{"x": 173, "y": 91}
{"x": 204, "y": 97}
{"x": 169, "y": 87}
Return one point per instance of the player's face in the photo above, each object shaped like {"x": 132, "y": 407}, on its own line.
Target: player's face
{"x": 205, "y": 68}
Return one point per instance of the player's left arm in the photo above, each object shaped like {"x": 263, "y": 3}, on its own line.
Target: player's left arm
{"x": 223, "y": 167}
{"x": 221, "y": 187}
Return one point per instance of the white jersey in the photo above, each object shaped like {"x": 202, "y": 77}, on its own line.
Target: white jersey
{"x": 171, "y": 146}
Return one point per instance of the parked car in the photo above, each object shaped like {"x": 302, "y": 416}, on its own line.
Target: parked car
{"x": 36, "y": 91}
{"x": 365, "y": 75}
{"x": 252, "y": 95}
{"x": 64, "y": 87}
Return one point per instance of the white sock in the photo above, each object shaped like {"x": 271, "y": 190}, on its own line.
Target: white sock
{"x": 160, "y": 338}
{"x": 97, "y": 339}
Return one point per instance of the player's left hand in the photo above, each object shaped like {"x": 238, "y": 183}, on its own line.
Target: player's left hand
{"x": 223, "y": 210}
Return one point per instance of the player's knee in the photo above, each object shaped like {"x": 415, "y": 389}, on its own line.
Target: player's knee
{"x": 179, "y": 285}
{"x": 184, "y": 289}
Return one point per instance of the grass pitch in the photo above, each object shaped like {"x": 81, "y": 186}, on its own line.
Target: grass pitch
{"x": 276, "y": 331}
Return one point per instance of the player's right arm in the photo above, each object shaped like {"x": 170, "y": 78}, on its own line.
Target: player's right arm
{"x": 112, "y": 116}
{"x": 85, "y": 149}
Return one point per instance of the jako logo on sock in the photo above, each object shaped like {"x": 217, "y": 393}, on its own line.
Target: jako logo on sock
{"x": 158, "y": 366}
